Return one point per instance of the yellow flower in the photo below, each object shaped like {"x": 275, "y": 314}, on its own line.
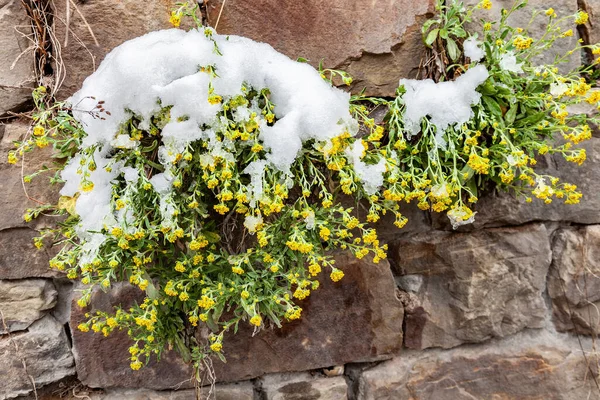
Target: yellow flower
{"x": 324, "y": 233}
{"x": 479, "y": 164}
{"x": 216, "y": 347}
{"x": 522, "y": 42}
{"x": 256, "y": 320}
{"x": 12, "y": 157}
{"x": 175, "y": 19}
{"x": 237, "y": 270}
{"x": 550, "y": 12}
{"x": 87, "y": 186}
{"x": 221, "y": 208}
{"x": 567, "y": 33}
{"x": 314, "y": 269}
{"x": 215, "y": 99}
{"x": 38, "y": 130}
{"x": 581, "y": 17}
{"x": 336, "y": 275}
{"x": 256, "y": 148}
{"x": 136, "y": 365}
{"x": 487, "y": 26}
{"x": 486, "y": 4}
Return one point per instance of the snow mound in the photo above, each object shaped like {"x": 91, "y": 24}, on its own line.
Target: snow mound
{"x": 446, "y": 103}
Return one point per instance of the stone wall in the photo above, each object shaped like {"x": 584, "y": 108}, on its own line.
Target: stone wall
{"x": 506, "y": 308}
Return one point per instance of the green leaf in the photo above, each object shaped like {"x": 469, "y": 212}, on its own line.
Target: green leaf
{"x": 301, "y": 59}
{"x": 212, "y": 237}
{"x": 511, "y": 114}
{"x": 444, "y": 33}
{"x": 488, "y": 88}
{"x": 531, "y": 120}
{"x": 459, "y": 32}
{"x": 428, "y": 25}
{"x": 431, "y": 37}
{"x": 492, "y": 106}
{"x": 453, "y": 50}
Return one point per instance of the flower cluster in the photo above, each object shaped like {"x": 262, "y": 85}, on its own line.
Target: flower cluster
{"x": 220, "y": 220}
{"x": 521, "y": 113}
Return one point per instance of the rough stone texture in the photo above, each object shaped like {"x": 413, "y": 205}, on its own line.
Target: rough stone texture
{"x": 13, "y": 201}
{"x": 574, "y": 279}
{"x": 591, "y": 29}
{"x": 498, "y": 209}
{"x": 104, "y": 362}
{"x": 44, "y": 348}
{"x": 419, "y": 221}
{"x": 521, "y": 19}
{"x": 17, "y": 78}
{"x": 356, "y": 319}
{"x": 304, "y": 387}
{"x": 113, "y": 22}
{"x": 22, "y": 302}
{"x": 237, "y": 391}
{"x": 18, "y": 256}
{"x": 466, "y": 288}
{"x": 376, "y": 42}
{"x": 526, "y": 366}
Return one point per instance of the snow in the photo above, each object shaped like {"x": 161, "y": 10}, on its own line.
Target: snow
{"x": 472, "y": 49}
{"x": 170, "y": 68}
{"x": 164, "y": 65}
{"x": 446, "y": 103}
{"x": 508, "y": 62}
{"x": 371, "y": 175}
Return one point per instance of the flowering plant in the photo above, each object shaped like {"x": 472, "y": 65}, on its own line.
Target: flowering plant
{"x": 211, "y": 176}
{"x": 490, "y": 111}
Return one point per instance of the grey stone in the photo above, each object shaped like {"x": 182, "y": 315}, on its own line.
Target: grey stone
{"x": 17, "y": 78}
{"x": 376, "y": 42}
{"x": 15, "y": 196}
{"x": 233, "y": 391}
{"x": 531, "y": 365}
{"x": 22, "y": 302}
{"x": 304, "y": 386}
{"x": 41, "y": 354}
{"x": 474, "y": 286}
{"x": 18, "y": 256}
{"x": 574, "y": 280}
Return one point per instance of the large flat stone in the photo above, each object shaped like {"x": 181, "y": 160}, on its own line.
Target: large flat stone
{"x": 17, "y": 78}
{"x": 574, "y": 279}
{"x": 536, "y": 365}
{"x": 376, "y": 42}
{"x": 18, "y": 256}
{"x": 16, "y": 197}
{"x": 304, "y": 386}
{"x": 233, "y": 391}
{"x": 356, "y": 319}
{"x": 470, "y": 287}
{"x": 112, "y": 22}
{"x": 44, "y": 348}
{"x": 20, "y": 259}
{"x": 22, "y": 302}
{"x": 104, "y": 362}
